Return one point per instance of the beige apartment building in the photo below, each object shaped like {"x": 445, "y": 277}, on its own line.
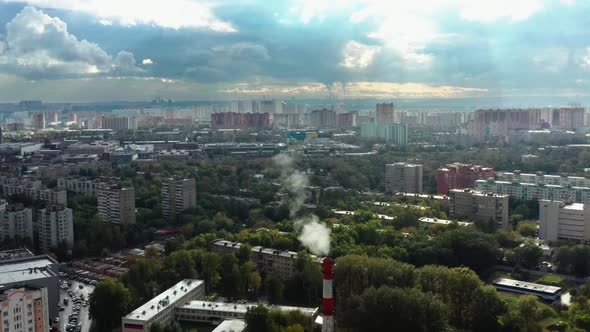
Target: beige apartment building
{"x": 403, "y": 177}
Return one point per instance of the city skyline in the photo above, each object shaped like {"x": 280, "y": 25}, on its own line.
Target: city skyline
{"x": 191, "y": 50}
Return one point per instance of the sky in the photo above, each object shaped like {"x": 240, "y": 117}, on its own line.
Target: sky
{"x": 103, "y": 50}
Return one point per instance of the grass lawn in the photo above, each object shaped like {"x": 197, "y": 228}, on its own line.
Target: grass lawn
{"x": 554, "y": 280}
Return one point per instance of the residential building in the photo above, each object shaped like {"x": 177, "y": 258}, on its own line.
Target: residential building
{"x": 460, "y": 176}
{"x": 56, "y": 226}
{"x": 178, "y": 195}
{"x": 16, "y": 222}
{"x": 80, "y": 185}
{"x": 532, "y": 191}
{"x": 384, "y": 112}
{"x": 347, "y": 120}
{"x": 119, "y": 122}
{"x": 541, "y": 178}
{"x": 403, "y": 177}
{"x": 231, "y": 120}
{"x": 267, "y": 260}
{"x": 562, "y": 221}
{"x": 25, "y": 308}
{"x": 162, "y": 307}
{"x": 116, "y": 205}
{"x": 33, "y": 190}
{"x": 40, "y": 271}
{"x": 479, "y": 206}
{"x": 394, "y": 133}
{"x": 323, "y": 118}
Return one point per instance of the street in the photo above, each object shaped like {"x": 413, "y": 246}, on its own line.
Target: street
{"x": 83, "y": 316}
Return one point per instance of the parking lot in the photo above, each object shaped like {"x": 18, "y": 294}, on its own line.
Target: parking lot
{"x": 74, "y": 316}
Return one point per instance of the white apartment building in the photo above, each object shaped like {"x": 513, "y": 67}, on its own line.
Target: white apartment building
{"x": 56, "y": 226}
{"x": 561, "y": 221}
{"x": 535, "y": 191}
{"x": 403, "y": 177}
{"x": 80, "y": 186}
{"x": 24, "y": 309}
{"x": 479, "y": 206}
{"x": 178, "y": 195}
{"x": 162, "y": 307}
{"x": 16, "y": 221}
{"x": 116, "y": 205}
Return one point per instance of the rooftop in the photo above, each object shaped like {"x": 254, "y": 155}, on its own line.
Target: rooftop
{"x": 231, "y": 325}
{"x": 241, "y": 308}
{"x": 526, "y": 285}
{"x": 164, "y": 299}
{"x": 442, "y": 221}
{"x": 19, "y": 269}
{"x": 574, "y": 206}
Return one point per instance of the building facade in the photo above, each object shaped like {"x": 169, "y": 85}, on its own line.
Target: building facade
{"x": 531, "y": 191}
{"x": 460, "y": 176}
{"x": 16, "y": 222}
{"x": 403, "y": 177}
{"x": 178, "y": 195}
{"x": 324, "y": 118}
{"x": 384, "y": 112}
{"x": 116, "y": 205}
{"x": 479, "y": 206}
{"x": 561, "y": 221}
{"x": 394, "y": 133}
{"x": 231, "y": 120}
{"x": 24, "y": 309}
{"x": 162, "y": 307}
{"x": 119, "y": 123}
{"x": 56, "y": 226}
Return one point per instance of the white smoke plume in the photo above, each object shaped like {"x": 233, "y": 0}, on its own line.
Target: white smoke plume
{"x": 293, "y": 181}
{"x": 314, "y": 235}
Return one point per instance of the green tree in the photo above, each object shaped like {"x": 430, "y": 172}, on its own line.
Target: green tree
{"x": 524, "y": 315}
{"x": 274, "y": 287}
{"x": 528, "y": 255}
{"x": 257, "y": 319}
{"x": 109, "y": 301}
{"x": 527, "y": 228}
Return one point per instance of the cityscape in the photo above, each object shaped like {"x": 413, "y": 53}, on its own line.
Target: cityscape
{"x": 298, "y": 166}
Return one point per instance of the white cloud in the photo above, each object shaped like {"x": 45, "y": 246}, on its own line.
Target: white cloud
{"x": 38, "y": 45}
{"x": 584, "y": 60}
{"x": 147, "y": 62}
{"x": 358, "y": 56}
{"x": 173, "y": 14}
{"x": 489, "y": 11}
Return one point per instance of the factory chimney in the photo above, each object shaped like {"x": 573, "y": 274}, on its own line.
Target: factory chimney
{"x": 328, "y": 300}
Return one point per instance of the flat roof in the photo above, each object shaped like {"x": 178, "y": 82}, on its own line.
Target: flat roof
{"x": 526, "y": 285}
{"x": 442, "y": 221}
{"x": 574, "y": 206}
{"x": 240, "y": 308}
{"x": 231, "y": 325}
{"x": 26, "y": 268}
{"x": 163, "y": 300}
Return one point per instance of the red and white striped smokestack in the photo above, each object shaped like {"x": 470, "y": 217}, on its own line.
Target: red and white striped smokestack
{"x": 328, "y": 299}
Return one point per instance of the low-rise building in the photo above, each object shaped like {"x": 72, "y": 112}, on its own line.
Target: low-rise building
{"x": 24, "y": 308}
{"x": 162, "y": 307}
{"x": 267, "y": 260}
{"x": 561, "y": 221}
{"x": 479, "y": 206}
{"x": 427, "y": 222}
{"x": 217, "y": 312}
{"x": 547, "y": 293}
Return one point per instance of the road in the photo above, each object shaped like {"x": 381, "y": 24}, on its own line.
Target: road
{"x": 83, "y": 317}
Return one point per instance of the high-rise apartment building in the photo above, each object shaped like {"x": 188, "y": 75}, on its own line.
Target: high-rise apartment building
{"x": 479, "y": 206}
{"x": 561, "y": 221}
{"x": 16, "y": 221}
{"x": 395, "y": 133}
{"x": 403, "y": 177}
{"x": 231, "y": 120}
{"x": 460, "y": 176}
{"x": 24, "y": 308}
{"x": 177, "y": 196}
{"x": 119, "y": 123}
{"x": 116, "y": 205}
{"x": 384, "y": 112}
{"x": 56, "y": 226}
{"x": 323, "y": 118}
